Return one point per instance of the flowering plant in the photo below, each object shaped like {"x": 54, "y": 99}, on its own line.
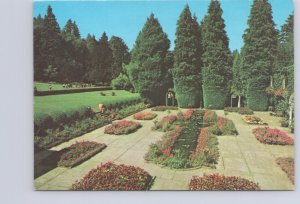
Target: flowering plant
{"x": 210, "y": 116}
{"x": 144, "y": 116}
{"x": 122, "y": 127}
{"x": 165, "y": 123}
{"x": 267, "y": 135}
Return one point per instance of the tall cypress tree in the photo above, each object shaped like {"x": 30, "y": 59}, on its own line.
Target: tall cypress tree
{"x": 39, "y": 61}
{"x": 120, "y": 54}
{"x": 217, "y": 60}
{"x": 93, "y": 72}
{"x": 187, "y": 63}
{"x": 52, "y": 41}
{"x": 148, "y": 68}
{"x": 106, "y": 59}
{"x": 260, "y": 46}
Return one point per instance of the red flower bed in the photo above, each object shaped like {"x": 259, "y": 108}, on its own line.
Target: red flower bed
{"x": 226, "y": 126}
{"x": 122, "y": 127}
{"x": 267, "y": 135}
{"x": 168, "y": 141}
{"x": 188, "y": 114}
{"x": 144, "y": 116}
{"x": 210, "y": 116}
{"x": 79, "y": 152}
{"x": 165, "y": 123}
{"x": 217, "y": 182}
{"x": 201, "y": 143}
{"x": 114, "y": 177}
{"x": 288, "y": 166}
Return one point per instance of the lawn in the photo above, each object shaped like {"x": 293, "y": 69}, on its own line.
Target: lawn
{"x": 67, "y": 102}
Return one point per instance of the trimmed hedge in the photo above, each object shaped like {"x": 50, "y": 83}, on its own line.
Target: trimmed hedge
{"x": 188, "y": 99}
{"x": 215, "y": 97}
{"x": 257, "y": 98}
{"x": 70, "y": 91}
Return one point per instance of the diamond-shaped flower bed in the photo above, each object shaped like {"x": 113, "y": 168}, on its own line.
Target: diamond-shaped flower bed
{"x": 122, "y": 127}
{"x": 111, "y": 176}
{"x": 144, "y": 116}
{"x": 267, "y": 135}
{"x": 217, "y": 182}
{"x": 79, "y": 152}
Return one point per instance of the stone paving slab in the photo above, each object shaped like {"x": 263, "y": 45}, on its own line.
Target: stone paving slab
{"x": 240, "y": 155}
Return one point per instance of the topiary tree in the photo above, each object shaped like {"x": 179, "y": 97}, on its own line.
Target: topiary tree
{"x": 217, "y": 60}
{"x": 148, "y": 69}
{"x": 187, "y": 61}
{"x": 260, "y": 46}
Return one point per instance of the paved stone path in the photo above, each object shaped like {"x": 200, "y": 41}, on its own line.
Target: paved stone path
{"x": 240, "y": 155}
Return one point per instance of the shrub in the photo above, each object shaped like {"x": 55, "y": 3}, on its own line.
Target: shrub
{"x": 144, "y": 116}
{"x": 257, "y": 98}
{"x": 231, "y": 109}
{"x": 79, "y": 152}
{"x": 245, "y": 111}
{"x": 251, "y": 119}
{"x": 110, "y": 176}
{"x": 121, "y": 82}
{"x": 210, "y": 116}
{"x": 129, "y": 110}
{"x": 164, "y": 108}
{"x": 165, "y": 123}
{"x": 102, "y": 93}
{"x": 288, "y": 166}
{"x": 122, "y": 127}
{"x": 217, "y": 182}
{"x": 267, "y": 135}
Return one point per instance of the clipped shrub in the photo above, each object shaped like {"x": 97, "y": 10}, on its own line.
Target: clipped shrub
{"x": 231, "y": 109}
{"x": 122, "y": 127}
{"x": 110, "y": 176}
{"x": 267, "y": 135}
{"x": 245, "y": 111}
{"x": 165, "y": 123}
{"x": 217, "y": 182}
{"x": 257, "y": 98}
{"x": 144, "y": 116}
{"x": 288, "y": 166}
{"x": 70, "y": 91}
{"x": 79, "y": 152}
{"x": 215, "y": 97}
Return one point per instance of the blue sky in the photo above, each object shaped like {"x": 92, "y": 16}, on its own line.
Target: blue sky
{"x": 126, "y": 18}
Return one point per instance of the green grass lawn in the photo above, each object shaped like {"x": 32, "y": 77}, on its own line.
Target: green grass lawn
{"x": 67, "y": 102}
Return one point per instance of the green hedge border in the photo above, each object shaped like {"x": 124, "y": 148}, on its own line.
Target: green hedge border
{"x": 257, "y": 100}
{"x": 215, "y": 97}
{"x": 188, "y": 99}
{"x": 70, "y": 91}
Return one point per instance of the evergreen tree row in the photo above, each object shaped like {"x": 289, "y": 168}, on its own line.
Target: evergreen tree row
{"x": 64, "y": 56}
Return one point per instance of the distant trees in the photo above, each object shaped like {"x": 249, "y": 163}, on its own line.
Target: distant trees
{"x": 260, "y": 46}
{"x": 217, "y": 60}
{"x": 63, "y": 56}
{"x": 187, "y": 61}
{"x": 148, "y": 69}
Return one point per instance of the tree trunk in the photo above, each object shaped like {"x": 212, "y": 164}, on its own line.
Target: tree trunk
{"x": 239, "y": 102}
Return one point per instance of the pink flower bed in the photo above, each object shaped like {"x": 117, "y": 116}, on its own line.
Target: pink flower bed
{"x": 188, "y": 114}
{"x": 122, "y": 127}
{"x": 165, "y": 123}
{"x": 210, "y": 116}
{"x": 267, "y": 135}
{"x": 144, "y": 116}
{"x": 168, "y": 141}
{"x": 202, "y": 142}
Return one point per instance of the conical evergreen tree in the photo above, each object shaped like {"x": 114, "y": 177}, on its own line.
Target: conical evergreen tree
{"x": 260, "y": 51}
{"x": 217, "y": 60}
{"x": 187, "y": 63}
{"x": 148, "y": 69}
{"x": 52, "y": 41}
{"x": 106, "y": 59}
{"x": 39, "y": 61}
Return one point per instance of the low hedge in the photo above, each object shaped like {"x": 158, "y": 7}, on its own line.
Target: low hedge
{"x": 113, "y": 177}
{"x": 215, "y": 97}
{"x": 70, "y": 91}
{"x": 217, "y": 182}
{"x": 79, "y": 152}
{"x": 164, "y": 108}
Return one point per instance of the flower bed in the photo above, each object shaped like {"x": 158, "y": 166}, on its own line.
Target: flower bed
{"x": 122, "y": 127}
{"x": 110, "y": 176}
{"x": 164, "y": 108}
{"x": 226, "y": 126}
{"x": 251, "y": 119}
{"x": 177, "y": 146}
{"x": 210, "y": 116}
{"x": 166, "y": 123}
{"x": 217, "y": 182}
{"x": 79, "y": 152}
{"x": 267, "y": 135}
{"x": 144, "y": 116}
{"x": 288, "y": 166}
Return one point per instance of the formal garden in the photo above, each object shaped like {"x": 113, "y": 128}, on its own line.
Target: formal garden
{"x": 199, "y": 117}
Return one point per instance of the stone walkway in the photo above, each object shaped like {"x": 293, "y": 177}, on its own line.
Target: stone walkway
{"x": 240, "y": 155}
